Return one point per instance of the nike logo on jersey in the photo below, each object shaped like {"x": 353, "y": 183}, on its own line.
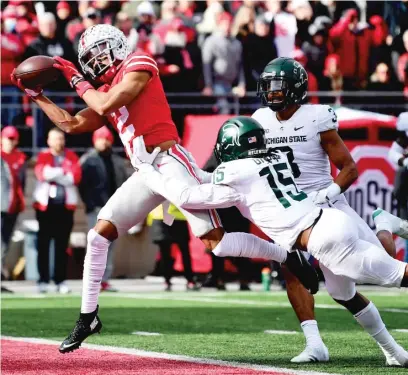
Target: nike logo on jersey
{"x": 296, "y": 129}
{"x": 160, "y": 165}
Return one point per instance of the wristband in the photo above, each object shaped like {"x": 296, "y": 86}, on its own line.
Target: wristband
{"x": 333, "y": 190}
{"x": 82, "y": 86}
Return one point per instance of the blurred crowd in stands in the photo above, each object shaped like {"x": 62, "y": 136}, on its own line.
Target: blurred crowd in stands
{"x": 221, "y": 47}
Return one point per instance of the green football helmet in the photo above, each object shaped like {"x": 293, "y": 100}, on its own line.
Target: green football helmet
{"x": 238, "y": 138}
{"x": 283, "y": 82}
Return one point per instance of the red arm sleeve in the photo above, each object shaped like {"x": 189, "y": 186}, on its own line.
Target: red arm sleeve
{"x": 336, "y": 32}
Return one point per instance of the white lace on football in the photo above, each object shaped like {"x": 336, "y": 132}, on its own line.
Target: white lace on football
{"x": 99, "y": 47}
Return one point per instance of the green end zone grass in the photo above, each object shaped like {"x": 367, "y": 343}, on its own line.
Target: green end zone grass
{"x": 227, "y": 326}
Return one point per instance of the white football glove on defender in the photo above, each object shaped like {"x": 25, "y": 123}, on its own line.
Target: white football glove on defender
{"x": 140, "y": 156}
{"x": 326, "y": 195}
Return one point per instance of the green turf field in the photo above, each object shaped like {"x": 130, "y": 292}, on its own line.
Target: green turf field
{"x": 228, "y": 326}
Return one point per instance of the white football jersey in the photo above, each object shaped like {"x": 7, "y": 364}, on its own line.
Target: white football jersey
{"x": 299, "y": 138}
{"x": 272, "y": 200}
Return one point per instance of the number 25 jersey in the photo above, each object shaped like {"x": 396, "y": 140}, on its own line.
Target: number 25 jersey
{"x": 272, "y": 200}
{"x": 299, "y": 138}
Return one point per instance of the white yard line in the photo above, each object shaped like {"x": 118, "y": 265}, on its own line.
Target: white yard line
{"x": 173, "y": 357}
{"x": 239, "y": 301}
{"x": 197, "y": 298}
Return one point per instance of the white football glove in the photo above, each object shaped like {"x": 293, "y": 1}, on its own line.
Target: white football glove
{"x": 140, "y": 156}
{"x": 325, "y": 195}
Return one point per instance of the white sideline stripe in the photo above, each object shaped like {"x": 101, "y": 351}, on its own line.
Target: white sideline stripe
{"x": 403, "y": 330}
{"x": 173, "y": 357}
{"x": 278, "y": 332}
{"x": 242, "y": 302}
{"x": 144, "y": 333}
{"x": 192, "y": 298}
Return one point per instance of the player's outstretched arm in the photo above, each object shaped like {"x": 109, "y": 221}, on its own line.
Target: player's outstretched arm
{"x": 205, "y": 196}
{"x": 86, "y": 120}
{"x": 103, "y": 103}
{"x": 340, "y": 156}
{"x": 118, "y": 96}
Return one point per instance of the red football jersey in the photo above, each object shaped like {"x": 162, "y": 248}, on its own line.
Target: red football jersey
{"x": 149, "y": 114}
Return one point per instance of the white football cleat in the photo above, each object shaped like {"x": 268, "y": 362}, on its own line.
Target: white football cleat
{"x": 383, "y": 220}
{"x": 312, "y": 354}
{"x": 398, "y": 358}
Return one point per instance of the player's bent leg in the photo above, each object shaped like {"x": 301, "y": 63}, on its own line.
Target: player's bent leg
{"x": 387, "y": 242}
{"x": 303, "y": 304}
{"x": 385, "y": 221}
{"x": 369, "y": 318}
{"x": 364, "y": 231}
{"x": 250, "y": 246}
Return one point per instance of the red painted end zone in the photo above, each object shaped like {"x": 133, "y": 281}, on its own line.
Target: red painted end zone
{"x": 20, "y": 358}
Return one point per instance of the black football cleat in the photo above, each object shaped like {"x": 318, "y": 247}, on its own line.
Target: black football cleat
{"x": 303, "y": 270}
{"x": 86, "y": 325}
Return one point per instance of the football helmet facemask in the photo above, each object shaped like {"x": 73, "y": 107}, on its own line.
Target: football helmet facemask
{"x": 283, "y": 82}
{"x": 101, "y": 48}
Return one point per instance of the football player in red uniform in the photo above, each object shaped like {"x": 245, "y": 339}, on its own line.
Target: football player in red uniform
{"x": 132, "y": 99}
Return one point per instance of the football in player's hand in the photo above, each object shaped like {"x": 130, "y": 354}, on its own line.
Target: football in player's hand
{"x": 37, "y": 71}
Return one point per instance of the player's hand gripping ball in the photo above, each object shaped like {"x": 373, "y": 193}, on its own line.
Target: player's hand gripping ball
{"x": 35, "y": 73}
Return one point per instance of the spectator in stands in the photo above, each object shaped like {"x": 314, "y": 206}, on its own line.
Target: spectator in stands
{"x": 164, "y": 236}
{"x": 300, "y": 56}
{"x": 49, "y": 44}
{"x": 124, "y": 23}
{"x": 332, "y": 9}
{"x": 102, "y": 173}
{"x": 303, "y": 12}
{"x": 107, "y": 9}
{"x": 382, "y": 80}
{"x": 332, "y": 78}
{"x": 243, "y": 23}
{"x": 90, "y": 18}
{"x": 222, "y": 64}
{"x": 381, "y": 52}
{"x": 148, "y": 41}
{"x": 258, "y": 50}
{"x": 402, "y": 62}
{"x": 284, "y": 27}
{"x": 12, "y": 189}
{"x": 396, "y": 16}
{"x": 208, "y": 25}
{"x": 316, "y": 49}
{"x": 64, "y": 15}
{"x": 58, "y": 171}
{"x": 23, "y": 15}
{"x": 353, "y": 61}
{"x": 12, "y": 49}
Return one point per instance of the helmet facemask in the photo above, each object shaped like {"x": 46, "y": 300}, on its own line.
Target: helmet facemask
{"x": 274, "y": 92}
{"x": 97, "y": 59}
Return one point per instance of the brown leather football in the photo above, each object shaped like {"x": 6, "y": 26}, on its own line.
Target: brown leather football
{"x": 37, "y": 71}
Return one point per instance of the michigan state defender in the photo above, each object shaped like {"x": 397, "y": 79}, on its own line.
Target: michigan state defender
{"x": 262, "y": 186}
{"x": 308, "y": 135}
